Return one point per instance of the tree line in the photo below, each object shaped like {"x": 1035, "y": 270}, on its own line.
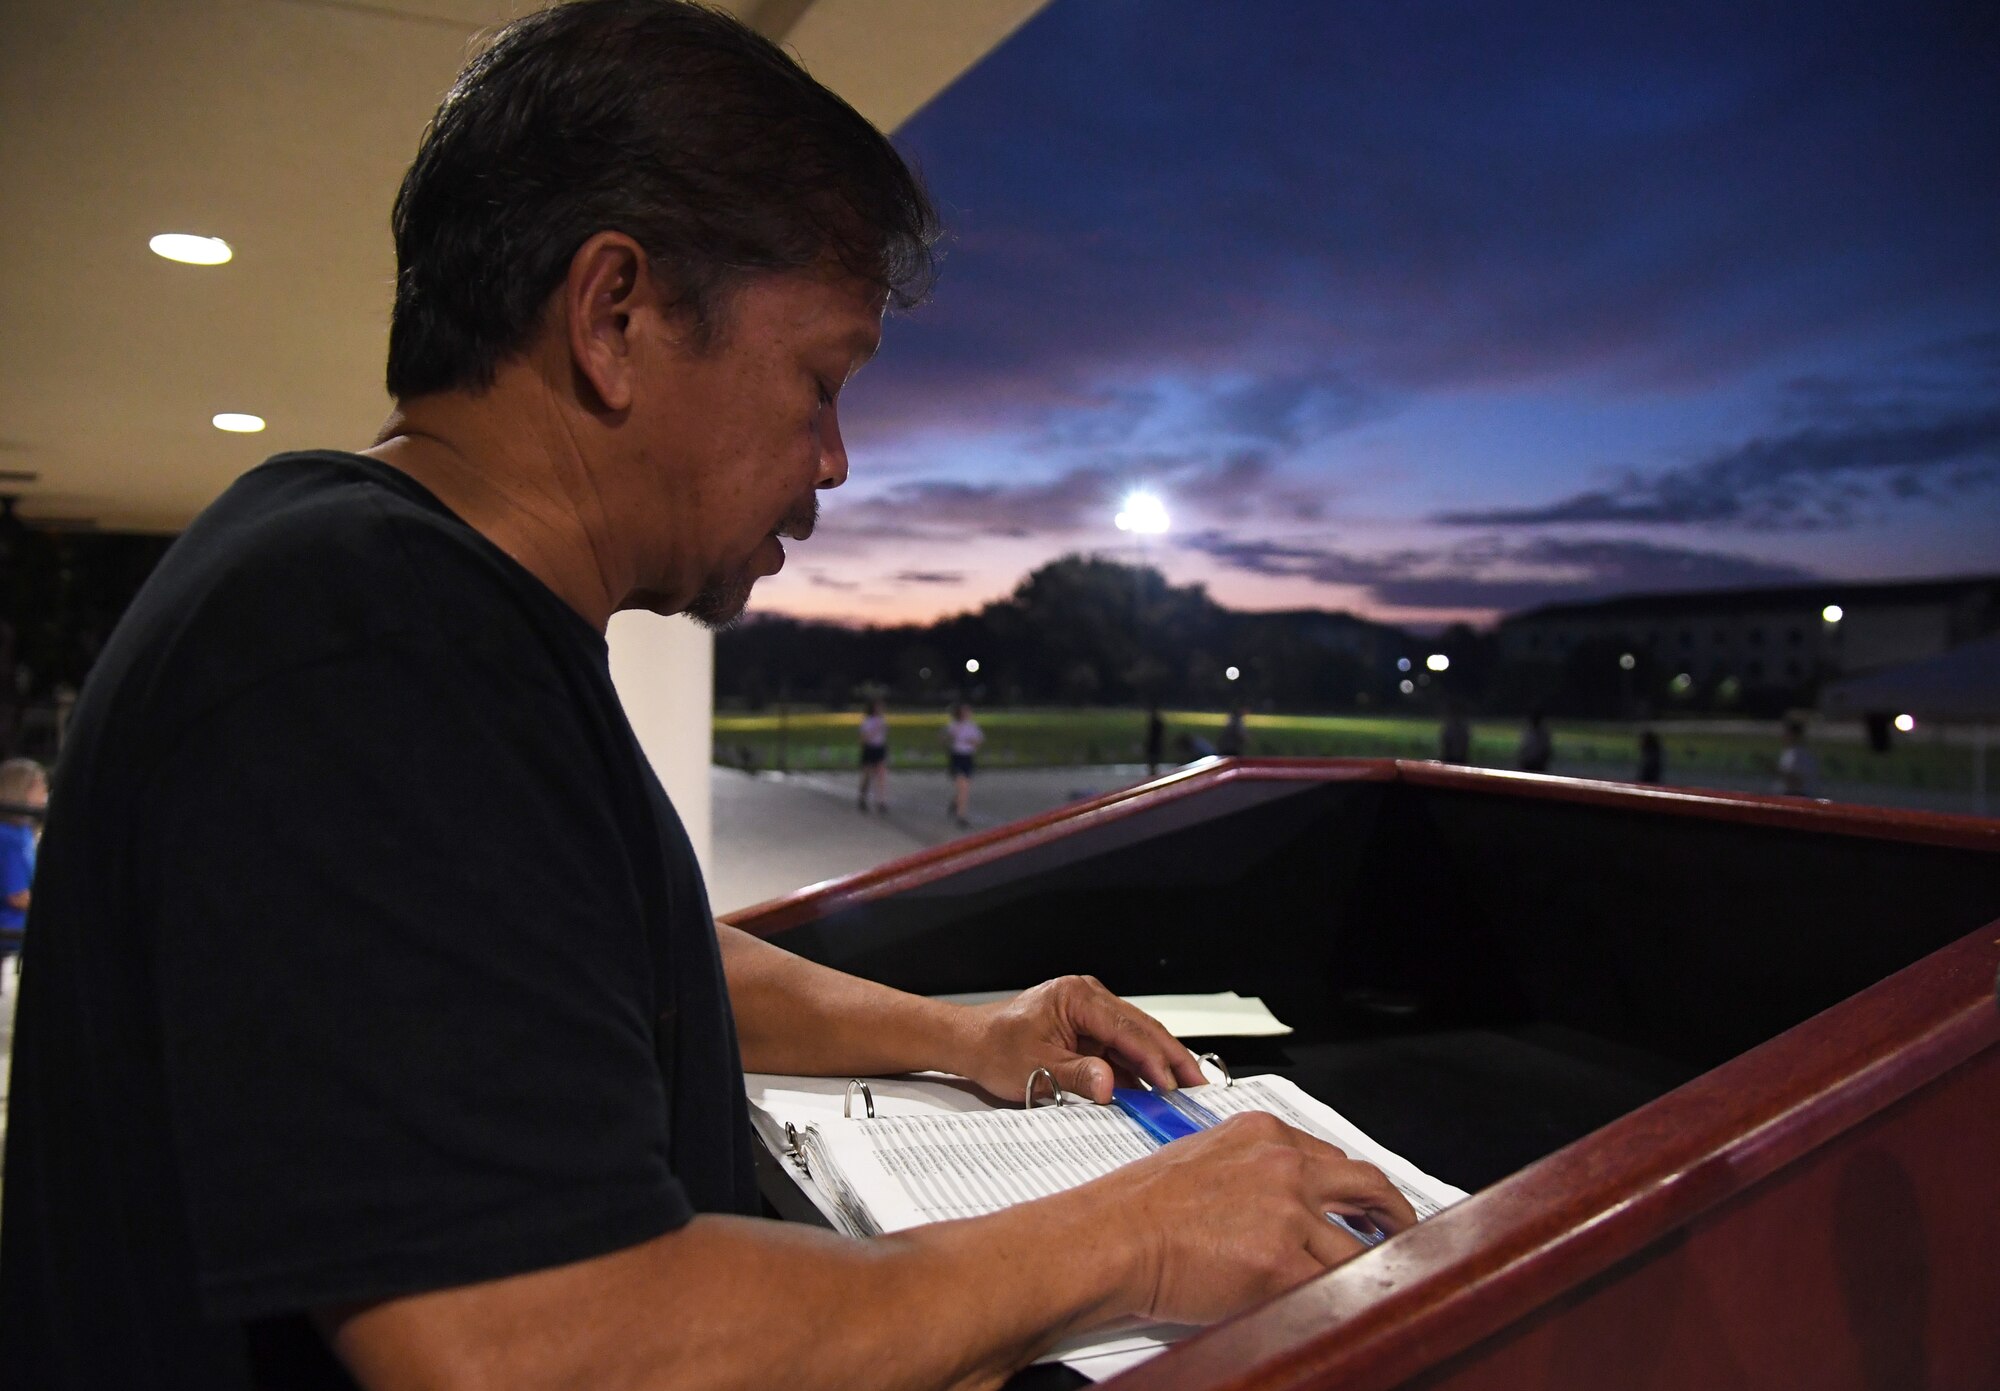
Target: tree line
{"x": 1086, "y": 630}
{"x": 1082, "y": 630}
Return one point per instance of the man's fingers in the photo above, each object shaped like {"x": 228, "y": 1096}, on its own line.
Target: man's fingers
{"x": 1138, "y": 1039}
{"x": 1089, "y": 1077}
{"x": 1351, "y": 1187}
{"x": 1355, "y": 1188}
{"x": 1329, "y": 1245}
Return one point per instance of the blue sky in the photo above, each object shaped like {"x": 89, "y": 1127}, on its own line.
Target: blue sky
{"x": 1434, "y": 311}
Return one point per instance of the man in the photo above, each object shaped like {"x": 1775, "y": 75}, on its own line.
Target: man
{"x": 1536, "y": 749}
{"x": 962, "y": 738}
{"x": 1798, "y": 766}
{"x": 378, "y": 1031}
{"x": 1454, "y": 736}
{"x": 1235, "y": 739}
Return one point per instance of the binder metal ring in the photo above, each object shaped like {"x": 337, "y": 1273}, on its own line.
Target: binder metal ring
{"x": 1028, "y": 1097}
{"x": 867, "y": 1100}
{"x": 1220, "y": 1066}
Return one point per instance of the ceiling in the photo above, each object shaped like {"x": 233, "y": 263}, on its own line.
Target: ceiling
{"x": 282, "y": 126}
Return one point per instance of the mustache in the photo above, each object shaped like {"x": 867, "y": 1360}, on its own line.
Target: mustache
{"x": 800, "y": 521}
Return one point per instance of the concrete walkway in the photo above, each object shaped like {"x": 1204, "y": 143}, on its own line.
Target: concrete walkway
{"x": 779, "y": 832}
{"x": 776, "y": 833}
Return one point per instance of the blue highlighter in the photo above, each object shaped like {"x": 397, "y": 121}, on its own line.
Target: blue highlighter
{"x": 1166, "y": 1116}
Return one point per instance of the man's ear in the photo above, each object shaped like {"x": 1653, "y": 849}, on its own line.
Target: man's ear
{"x": 609, "y": 281}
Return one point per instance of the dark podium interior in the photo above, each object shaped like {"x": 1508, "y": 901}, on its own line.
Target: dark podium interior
{"x": 1484, "y": 970}
{"x": 1475, "y": 980}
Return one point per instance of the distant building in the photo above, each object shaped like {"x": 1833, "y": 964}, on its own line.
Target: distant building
{"x": 1766, "y": 639}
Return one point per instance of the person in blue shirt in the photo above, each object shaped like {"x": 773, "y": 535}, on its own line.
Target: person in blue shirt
{"x": 24, "y": 791}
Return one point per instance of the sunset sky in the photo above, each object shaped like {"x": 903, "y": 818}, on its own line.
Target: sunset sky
{"x": 1440, "y": 311}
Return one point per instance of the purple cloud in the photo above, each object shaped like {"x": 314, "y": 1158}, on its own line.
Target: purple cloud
{"x": 1814, "y": 476}
{"x": 1491, "y": 573}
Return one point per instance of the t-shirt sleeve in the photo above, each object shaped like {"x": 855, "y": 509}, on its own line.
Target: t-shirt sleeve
{"x": 405, "y": 989}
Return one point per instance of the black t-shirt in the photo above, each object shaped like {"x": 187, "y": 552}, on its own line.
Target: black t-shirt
{"x": 369, "y": 956}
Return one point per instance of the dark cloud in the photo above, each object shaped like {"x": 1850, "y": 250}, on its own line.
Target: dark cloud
{"x": 1493, "y": 573}
{"x": 819, "y": 579}
{"x": 1426, "y": 196}
{"x": 1813, "y": 477}
{"x": 1105, "y": 418}
{"x": 1291, "y": 409}
{"x": 930, "y": 577}
{"x": 1063, "y": 503}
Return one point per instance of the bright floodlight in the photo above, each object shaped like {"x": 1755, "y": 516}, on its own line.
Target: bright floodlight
{"x": 191, "y": 250}
{"x": 1906, "y": 723}
{"x": 1437, "y": 661}
{"x": 238, "y": 424}
{"x": 972, "y": 664}
{"x": 1626, "y": 661}
{"x": 1230, "y": 673}
{"x": 1144, "y": 513}
{"x": 1832, "y": 613}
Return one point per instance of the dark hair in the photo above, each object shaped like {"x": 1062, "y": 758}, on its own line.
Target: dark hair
{"x": 670, "y": 122}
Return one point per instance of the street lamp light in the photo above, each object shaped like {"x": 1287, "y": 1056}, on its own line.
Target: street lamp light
{"x": 1402, "y": 664}
{"x": 1437, "y": 661}
{"x": 1626, "y": 661}
{"x": 972, "y": 666}
{"x": 1230, "y": 673}
{"x": 1832, "y": 613}
{"x": 1143, "y": 515}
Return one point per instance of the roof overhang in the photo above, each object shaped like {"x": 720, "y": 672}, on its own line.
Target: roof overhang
{"x": 283, "y": 126}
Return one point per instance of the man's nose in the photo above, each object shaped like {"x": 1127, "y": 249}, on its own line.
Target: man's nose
{"x": 832, "y": 452}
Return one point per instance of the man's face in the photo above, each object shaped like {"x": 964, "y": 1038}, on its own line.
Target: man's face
{"x": 738, "y": 437}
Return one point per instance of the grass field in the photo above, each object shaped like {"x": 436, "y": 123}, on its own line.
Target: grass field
{"x": 1058, "y": 737}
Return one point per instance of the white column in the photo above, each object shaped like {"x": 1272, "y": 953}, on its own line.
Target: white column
{"x": 664, "y": 669}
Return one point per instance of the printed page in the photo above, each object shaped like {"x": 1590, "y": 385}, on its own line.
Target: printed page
{"x": 1291, "y": 1103}
{"x": 937, "y": 1150}
{"x": 913, "y": 1169}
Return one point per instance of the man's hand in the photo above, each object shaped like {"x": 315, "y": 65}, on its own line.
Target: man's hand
{"x": 1205, "y": 1228}
{"x": 1082, "y": 1033}
{"x": 1237, "y": 1214}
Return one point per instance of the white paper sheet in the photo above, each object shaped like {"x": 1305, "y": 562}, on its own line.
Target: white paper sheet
{"x": 1224, "y": 1015}
{"x": 937, "y": 1149}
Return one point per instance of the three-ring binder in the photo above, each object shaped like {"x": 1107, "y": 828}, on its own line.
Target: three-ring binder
{"x": 1028, "y": 1096}
{"x": 1055, "y": 1089}
{"x": 795, "y": 1139}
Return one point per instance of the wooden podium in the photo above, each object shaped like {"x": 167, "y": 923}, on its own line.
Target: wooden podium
{"x": 1722, "y": 1071}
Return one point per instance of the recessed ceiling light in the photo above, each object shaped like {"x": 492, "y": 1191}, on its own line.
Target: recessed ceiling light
{"x": 190, "y": 249}
{"x": 239, "y": 424}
